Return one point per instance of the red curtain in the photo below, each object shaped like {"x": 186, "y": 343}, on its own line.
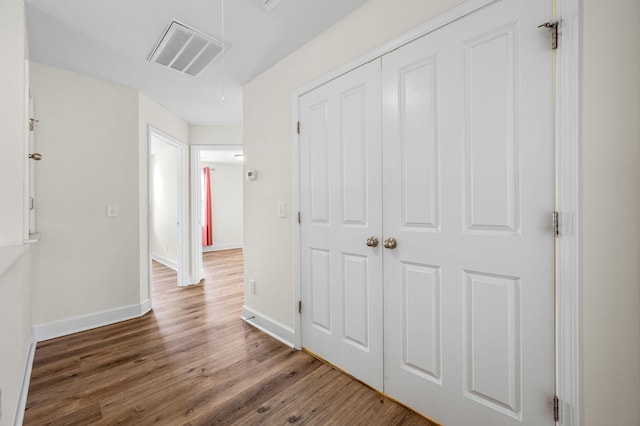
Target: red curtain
{"x": 207, "y": 225}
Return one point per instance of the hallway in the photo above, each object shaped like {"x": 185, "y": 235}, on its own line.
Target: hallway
{"x": 194, "y": 361}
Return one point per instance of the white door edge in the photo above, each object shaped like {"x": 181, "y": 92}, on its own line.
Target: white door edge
{"x": 297, "y": 269}
{"x": 568, "y": 184}
{"x": 183, "y": 167}
{"x": 567, "y": 169}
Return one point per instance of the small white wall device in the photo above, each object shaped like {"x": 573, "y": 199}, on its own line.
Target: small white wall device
{"x": 252, "y": 175}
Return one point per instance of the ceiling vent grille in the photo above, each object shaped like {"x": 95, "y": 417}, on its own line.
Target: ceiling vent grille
{"x": 267, "y": 5}
{"x": 186, "y": 50}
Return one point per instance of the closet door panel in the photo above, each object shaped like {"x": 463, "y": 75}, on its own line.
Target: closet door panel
{"x": 420, "y": 179}
{"x": 468, "y": 190}
{"x": 341, "y": 206}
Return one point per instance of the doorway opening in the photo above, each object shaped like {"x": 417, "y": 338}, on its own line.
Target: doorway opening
{"x": 167, "y": 204}
{"x": 216, "y": 201}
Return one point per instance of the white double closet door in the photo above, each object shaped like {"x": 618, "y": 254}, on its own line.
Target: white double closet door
{"x": 446, "y": 146}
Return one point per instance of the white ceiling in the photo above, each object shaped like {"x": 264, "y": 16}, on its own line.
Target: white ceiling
{"x": 111, "y": 40}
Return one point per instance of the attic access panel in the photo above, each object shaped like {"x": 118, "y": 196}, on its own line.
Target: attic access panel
{"x": 186, "y": 50}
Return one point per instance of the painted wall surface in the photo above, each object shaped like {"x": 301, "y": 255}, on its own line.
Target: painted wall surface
{"x": 610, "y": 208}
{"x": 15, "y": 281}
{"x": 163, "y": 215}
{"x": 85, "y": 262}
{"x": 12, "y": 120}
{"x": 150, "y": 113}
{"x": 216, "y": 135}
{"x": 226, "y": 204}
{"x": 268, "y": 139}
{"x": 15, "y": 331}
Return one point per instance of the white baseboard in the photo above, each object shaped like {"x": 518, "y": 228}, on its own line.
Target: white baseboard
{"x": 166, "y": 262}
{"x": 21, "y": 405}
{"x": 65, "y": 327}
{"x": 145, "y": 307}
{"x": 271, "y": 327}
{"x": 218, "y": 247}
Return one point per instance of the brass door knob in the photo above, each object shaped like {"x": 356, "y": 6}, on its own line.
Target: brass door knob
{"x": 372, "y": 242}
{"x": 35, "y": 156}
{"x": 390, "y": 243}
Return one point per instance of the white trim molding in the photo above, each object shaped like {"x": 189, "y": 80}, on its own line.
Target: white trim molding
{"x": 21, "y": 404}
{"x": 166, "y": 262}
{"x": 269, "y": 326}
{"x": 42, "y": 332}
{"x": 297, "y": 238}
{"x": 145, "y": 307}
{"x": 568, "y": 189}
{"x": 220, "y": 247}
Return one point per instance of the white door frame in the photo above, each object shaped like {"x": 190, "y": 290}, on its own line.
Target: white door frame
{"x": 182, "y": 186}
{"x": 197, "y": 273}
{"x": 568, "y": 189}
{"x": 568, "y": 184}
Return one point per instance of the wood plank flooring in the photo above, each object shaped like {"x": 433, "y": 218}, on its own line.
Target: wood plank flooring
{"x": 193, "y": 361}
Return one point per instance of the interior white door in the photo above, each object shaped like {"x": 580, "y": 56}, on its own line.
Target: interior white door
{"x": 468, "y": 195}
{"x": 341, "y": 205}
{"x": 32, "y": 168}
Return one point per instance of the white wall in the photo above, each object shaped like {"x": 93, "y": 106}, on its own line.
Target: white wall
{"x": 15, "y": 330}
{"x": 12, "y": 120}
{"x": 226, "y": 204}
{"x": 163, "y": 215}
{"x": 88, "y": 135}
{"x": 610, "y": 201}
{"x": 15, "y": 282}
{"x": 150, "y": 113}
{"x": 216, "y": 135}
{"x": 610, "y": 171}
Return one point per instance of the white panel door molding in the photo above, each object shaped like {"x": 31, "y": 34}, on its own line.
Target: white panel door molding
{"x": 468, "y": 192}
{"x": 341, "y": 204}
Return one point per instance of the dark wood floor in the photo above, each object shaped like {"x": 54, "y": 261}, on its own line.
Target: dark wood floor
{"x": 193, "y": 361}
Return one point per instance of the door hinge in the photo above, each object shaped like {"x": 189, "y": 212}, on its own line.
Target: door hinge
{"x": 32, "y": 203}
{"x": 298, "y": 127}
{"x": 299, "y": 217}
{"x": 299, "y": 306}
{"x": 553, "y": 27}
{"x": 556, "y": 223}
{"x": 556, "y": 408}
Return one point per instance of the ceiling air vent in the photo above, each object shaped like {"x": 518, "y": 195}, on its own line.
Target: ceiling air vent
{"x": 186, "y": 50}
